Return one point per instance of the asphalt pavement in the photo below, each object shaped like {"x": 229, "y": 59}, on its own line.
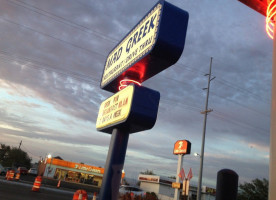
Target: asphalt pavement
{"x": 12, "y": 190}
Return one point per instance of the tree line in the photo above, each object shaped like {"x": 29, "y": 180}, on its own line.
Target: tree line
{"x": 14, "y": 157}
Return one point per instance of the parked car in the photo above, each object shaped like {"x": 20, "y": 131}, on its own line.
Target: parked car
{"x": 10, "y": 168}
{"x": 124, "y": 189}
{"x": 22, "y": 170}
{"x": 2, "y": 171}
{"x": 7, "y": 169}
{"x": 32, "y": 171}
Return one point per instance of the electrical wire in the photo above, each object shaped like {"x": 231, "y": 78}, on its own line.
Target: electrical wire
{"x": 39, "y": 66}
{"x": 177, "y": 103}
{"x": 62, "y": 20}
{"x": 93, "y": 52}
{"x": 30, "y": 152}
{"x": 241, "y": 105}
{"x": 106, "y": 38}
{"x": 53, "y": 37}
{"x": 167, "y": 101}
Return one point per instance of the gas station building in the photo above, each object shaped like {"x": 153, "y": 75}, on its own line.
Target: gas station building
{"x": 73, "y": 172}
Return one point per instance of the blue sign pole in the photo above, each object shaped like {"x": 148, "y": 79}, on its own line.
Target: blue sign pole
{"x": 114, "y": 165}
{"x": 156, "y": 43}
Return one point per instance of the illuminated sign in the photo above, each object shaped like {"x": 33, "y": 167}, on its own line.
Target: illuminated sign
{"x": 153, "y": 45}
{"x": 182, "y": 147}
{"x": 68, "y": 164}
{"x": 87, "y": 168}
{"x": 176, "y": 185}
{"x": 136, "y": 44}
{"x": 115, "y": 109}
{"x": 153, "y": 179}
{"x": 132, "y": 109}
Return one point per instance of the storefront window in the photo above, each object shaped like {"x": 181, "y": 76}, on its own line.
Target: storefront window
{"x": 60, "y": 174}
{"x": 77, "y": 177}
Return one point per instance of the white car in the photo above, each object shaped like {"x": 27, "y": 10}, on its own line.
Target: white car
{"x": 124, "y": 189}
{"x": 32, "y": 171}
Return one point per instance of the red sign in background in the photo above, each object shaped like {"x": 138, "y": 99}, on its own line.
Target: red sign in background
{"x": 182, "y": 147}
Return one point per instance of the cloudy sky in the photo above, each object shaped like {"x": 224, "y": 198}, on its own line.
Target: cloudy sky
{"x": 52, "y": 55}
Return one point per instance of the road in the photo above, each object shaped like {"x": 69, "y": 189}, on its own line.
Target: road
{"x": 11, "y": 190}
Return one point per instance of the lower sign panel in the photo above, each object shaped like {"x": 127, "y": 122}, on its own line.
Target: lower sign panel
{"x": 132, "y": 109}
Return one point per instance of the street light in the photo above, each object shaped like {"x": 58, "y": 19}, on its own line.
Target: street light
{"x": 197, "y": 154}
{"x": 49, "y": 156}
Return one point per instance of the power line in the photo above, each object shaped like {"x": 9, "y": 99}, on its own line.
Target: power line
{"x": 94, "y": 82}
{"x": 242, "y": 105}
{"x": 196, "y": 109}
{"x": 62, "y": 20}
{"x": 53, "y": 37}
{"x": 220, "y": 96}
{"x": 243, "y": 90}
{"x": 89, "y": 79}
{"x": 240, "y": 123}
{"x": 30, "y": 152}
{"x": 81, "y": 27}
{"x": 180, "y": 104}
{"x": 225, "y": 82}
{"x": 165, "y": 100}
{"x": 39, "y": 66}
{"x": 71, "y": 73}
{"x": 188, "y": 68}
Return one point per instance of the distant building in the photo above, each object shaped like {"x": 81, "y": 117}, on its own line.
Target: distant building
{"x": 162, "y": 186}
{"x": 71, "y": 171}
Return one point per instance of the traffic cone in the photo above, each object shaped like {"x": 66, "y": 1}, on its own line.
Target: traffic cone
{"x": 10, "y": 175}
{"x": 95, "y": 196}
{"x": 58, "y": 185}
{"x": 132, "y": 196}
{"x": 17, "y": 176}
{"x": 37, "y": 184}
{"x": 80, "y": 195}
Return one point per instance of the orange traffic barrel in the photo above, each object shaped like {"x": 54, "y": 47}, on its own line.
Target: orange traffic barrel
{"x": 132, "y": 195}
{"x": 80, "y": 195}
{"x": 95, "y": 196}
{"x": 37, "y": 184}
{"x": 17, "y": 176}
{"x": 7, "y": 174}
{"x": 58, "y": 185}
{"x": 11, "y": 175}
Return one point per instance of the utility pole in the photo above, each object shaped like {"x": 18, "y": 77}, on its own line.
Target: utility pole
{"x": 20, "y": 144}
{"x": 205, "y": 112}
